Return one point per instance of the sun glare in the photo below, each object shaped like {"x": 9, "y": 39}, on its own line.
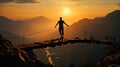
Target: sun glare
{"x": 66, "y": 11}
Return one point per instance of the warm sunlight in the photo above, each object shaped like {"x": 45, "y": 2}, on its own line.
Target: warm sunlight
{"x": 60, "y": 33}
{"x": 66, "y": 11}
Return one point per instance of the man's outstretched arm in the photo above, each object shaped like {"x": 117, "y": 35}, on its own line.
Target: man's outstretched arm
{"x": 66, "y": 24}
{"x": 56, "y": 25}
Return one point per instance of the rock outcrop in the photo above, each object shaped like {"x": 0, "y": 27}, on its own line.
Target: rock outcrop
{"x": 15, "y": 57}
{"x": 112, "y": 57}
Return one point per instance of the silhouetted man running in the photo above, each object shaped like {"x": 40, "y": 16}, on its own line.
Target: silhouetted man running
{"x": 61, "y": 27}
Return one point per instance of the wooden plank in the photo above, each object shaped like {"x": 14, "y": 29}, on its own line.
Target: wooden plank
{"x": 57, "y": 42}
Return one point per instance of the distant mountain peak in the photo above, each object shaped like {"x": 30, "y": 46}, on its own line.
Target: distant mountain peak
{"x": 41, "y": 18}
{"x": 114, "y": 14}
{"x": 116, "y": 11}
{"x": 36, "y": 19}
{"x": 3, "y": 18}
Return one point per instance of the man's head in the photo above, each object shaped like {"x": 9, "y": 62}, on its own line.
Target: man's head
{"x": 60, "y": 18}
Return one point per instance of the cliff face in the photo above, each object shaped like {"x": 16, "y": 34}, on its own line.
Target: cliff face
{"x": 112, "y": 57}
{"x": 15, "y": 57}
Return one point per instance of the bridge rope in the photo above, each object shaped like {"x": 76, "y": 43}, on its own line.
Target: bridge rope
{"x": 68, "y": 34}
{"x": 92, "y": 34}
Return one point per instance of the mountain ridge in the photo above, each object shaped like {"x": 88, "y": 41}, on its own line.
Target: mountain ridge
{"x": 38, "y": 18}
{"x": 106, "y": 26}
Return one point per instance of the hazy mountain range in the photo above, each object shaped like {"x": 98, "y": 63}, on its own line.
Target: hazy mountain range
{"x": 99, "y": 26}
{"x": 12, "y": 26}
{"x": 23, "y": 26}
{"x": 15, "y": 29}
{"x": 40, "y": 23}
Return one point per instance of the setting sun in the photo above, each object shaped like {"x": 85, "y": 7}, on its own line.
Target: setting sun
{"x": 66, "y": 11}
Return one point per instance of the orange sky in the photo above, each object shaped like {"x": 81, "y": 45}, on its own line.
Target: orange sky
{"x": 70, "y": 10}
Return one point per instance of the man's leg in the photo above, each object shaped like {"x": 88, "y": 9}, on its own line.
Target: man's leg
{"x": 62, "y": 33}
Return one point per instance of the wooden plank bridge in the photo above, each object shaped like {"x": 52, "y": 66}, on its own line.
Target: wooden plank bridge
{"x": 59, "y": 42}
